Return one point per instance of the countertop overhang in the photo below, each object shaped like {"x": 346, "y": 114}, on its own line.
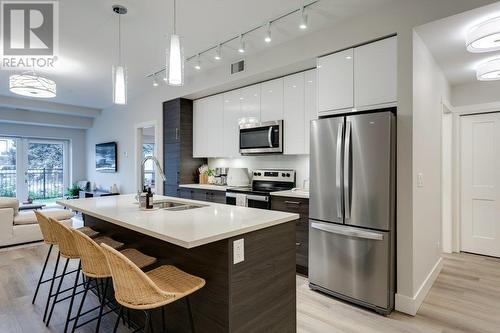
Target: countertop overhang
{"x": 188, "y": 228}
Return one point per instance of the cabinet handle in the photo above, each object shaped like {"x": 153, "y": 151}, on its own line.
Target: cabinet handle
{"x": 293, "y": 202}
{"x": 177, "y": 133}
{"x": 298, "y": 244}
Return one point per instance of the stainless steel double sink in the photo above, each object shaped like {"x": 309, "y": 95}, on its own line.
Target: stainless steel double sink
{"x": 175, "y": 205}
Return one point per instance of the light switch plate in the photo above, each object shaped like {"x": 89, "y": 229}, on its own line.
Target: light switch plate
{"x": 238, "y": 251}
{"x": 420, "y": 180}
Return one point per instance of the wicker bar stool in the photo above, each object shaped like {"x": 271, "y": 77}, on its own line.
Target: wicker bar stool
{"x": 68, "y": 250}
{"x": 49, "y": 238}
{"x": 95, "y": 266}
{"x": 138, "y": 290}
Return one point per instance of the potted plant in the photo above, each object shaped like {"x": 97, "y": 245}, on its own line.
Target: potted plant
{"x": 73, "y": 191}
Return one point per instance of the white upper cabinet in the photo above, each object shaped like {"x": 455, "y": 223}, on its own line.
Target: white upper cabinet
{"x": 232, "y": 116}
{"x": 294, "y": 114}
{"x": 208, "y": 127}
{"x": 249, "y": 98}
{"x": 335, "y": 81}
{"x": 375, "y": 73}
{"x": 310, "y": 104}
{"x": 271, "y": 103}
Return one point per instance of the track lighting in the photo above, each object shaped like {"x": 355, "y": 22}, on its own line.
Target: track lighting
{"x": 303, "y": 19}
{"x": 267, "y": 39}
{"x": 197, "y": 66}
{"x": 217, "y": 55}
{"x": 241, "y": 48}
{"x": 155, "y": 81}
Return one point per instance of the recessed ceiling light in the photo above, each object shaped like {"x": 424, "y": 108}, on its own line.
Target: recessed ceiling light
{"x": 484, "y": 37}
{"x": 32, "y": 85}
{"x": 489, "y": 71}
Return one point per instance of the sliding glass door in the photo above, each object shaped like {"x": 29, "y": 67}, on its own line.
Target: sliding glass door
{"x": 33, "y": 169}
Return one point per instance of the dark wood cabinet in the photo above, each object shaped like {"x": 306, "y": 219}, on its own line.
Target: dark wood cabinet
{"x": 298, "y": 206}
{"x": 203, "y": 195}
{"x": 180, "y": 166}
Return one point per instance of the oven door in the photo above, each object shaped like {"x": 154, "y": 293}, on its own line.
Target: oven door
{"x": 261, "y": 138}
{"x": 253, "y": 200}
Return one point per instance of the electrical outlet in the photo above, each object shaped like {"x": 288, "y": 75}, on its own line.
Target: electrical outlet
{"x": 420, "y": 180}
{"x": 238, "y": 251}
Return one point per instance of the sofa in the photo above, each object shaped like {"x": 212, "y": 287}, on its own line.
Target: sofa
{"x": 19, "y": 227}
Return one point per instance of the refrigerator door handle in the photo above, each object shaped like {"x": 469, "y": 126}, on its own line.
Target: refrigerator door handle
{"x": 347, "y": 170}
{"x": 346, "y": 231}
{"x": 338, "y": 169}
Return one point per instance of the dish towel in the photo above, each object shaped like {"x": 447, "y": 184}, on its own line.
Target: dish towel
{"x": 241, "y": 200}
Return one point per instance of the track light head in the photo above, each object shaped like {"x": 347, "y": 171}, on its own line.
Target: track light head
{"x": 241, "y": 48}
{"x": 155, "y": 81}
{"x": 268, "y": 38}
{"x": 303, "y": 19}
{"x": 197, "y": 66}
{"x": 217, "y": 55}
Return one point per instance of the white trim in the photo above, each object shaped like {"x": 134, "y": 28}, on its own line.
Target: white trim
{"x": 138, "y": 150}
{"x": 477, "y": 108}
{"x": 410, "y": 305}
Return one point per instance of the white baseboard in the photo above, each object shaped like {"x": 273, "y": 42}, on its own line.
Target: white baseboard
{"x": 410, "y": 305}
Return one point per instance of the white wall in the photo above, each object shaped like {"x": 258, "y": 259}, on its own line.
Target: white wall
{"x": 75, "y": 136}
{"x": 447, "y": 180}
{"x": 477, "y": 92}
{"x": 300, "y": 163}
{"x": 430, "y": 88}
{"x": 400, "y": 17}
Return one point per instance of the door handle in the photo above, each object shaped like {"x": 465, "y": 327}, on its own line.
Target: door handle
{"x": 292, "y": 202}
{"x": 338, "y": 169}
{"x": 346, "y": 231}
{"x": 177, "y": 133}
{"x": 347, "y": 169}
{"x": 269, "y": 137}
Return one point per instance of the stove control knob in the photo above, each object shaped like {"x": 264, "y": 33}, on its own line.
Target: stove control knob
{"x": 259, "y": 174}
{"x": 255, "y": 173}
{"x": 283, "y": 174}
{"x": 288, "y": 175}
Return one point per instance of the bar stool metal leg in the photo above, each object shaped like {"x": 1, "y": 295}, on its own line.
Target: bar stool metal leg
{"x": 118, "y": 319}
{"x": 87, "y": 287}
{"x": 57, "y": 293}
{"x": 51, "y": 286}
{"x": 103, "y": 302}
{"x": 41, "y": 274}
{"x": 72, "y": 297}
{"x": 191, "y": 322}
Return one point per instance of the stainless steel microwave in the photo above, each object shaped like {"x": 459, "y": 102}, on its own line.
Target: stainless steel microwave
{"x": 261, "y": 138}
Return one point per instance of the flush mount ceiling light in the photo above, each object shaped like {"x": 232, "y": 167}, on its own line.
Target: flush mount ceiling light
{"x": 484, "y": 37}
{"x": 175, "y": 61}
{"x": 119, "y": 71}
{"x": 32, "y": 85}
{"x": 489, "y": 71}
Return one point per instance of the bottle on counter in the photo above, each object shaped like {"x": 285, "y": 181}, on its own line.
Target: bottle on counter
{"x": 142, "y": 198}
{"x": 149, "y": 199}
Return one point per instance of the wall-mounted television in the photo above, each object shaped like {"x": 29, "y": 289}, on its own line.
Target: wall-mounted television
{"x": 106, "y": 157}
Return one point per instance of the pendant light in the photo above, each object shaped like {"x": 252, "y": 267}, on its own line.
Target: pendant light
{"x": 119, "y": 70}
{"x": 175, "y": 61}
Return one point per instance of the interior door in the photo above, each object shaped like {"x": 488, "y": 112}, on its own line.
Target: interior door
{"x": 480, "y": 190}
{"x": 326, "y": 170}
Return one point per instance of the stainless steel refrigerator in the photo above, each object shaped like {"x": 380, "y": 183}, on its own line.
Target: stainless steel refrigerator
{"x": 352, "y": 208}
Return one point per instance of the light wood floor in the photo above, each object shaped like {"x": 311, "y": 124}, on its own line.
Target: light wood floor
{"x": 465, "y": 298}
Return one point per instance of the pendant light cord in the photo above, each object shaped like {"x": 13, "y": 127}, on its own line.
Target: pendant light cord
{"x": 174, "y": 18}
{"x": 119, "y": 40}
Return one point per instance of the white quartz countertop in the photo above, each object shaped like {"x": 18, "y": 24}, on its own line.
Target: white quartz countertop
{"x": 206, "y": 187}
{"x": 298, "y": 193}
{"x": 187, "y": 228}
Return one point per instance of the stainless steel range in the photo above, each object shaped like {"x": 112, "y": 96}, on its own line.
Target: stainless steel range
{"x": 264, "y": 181}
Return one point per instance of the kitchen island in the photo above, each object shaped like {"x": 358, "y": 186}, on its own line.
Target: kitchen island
{"x": 254, "y": 292}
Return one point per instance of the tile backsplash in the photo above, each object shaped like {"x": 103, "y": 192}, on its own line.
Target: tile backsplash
{"x": 300, "y": 163}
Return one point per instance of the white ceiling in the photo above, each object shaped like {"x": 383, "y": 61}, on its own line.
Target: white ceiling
{"x": 88, "y": 31}
{"x": 445, "y": 39}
